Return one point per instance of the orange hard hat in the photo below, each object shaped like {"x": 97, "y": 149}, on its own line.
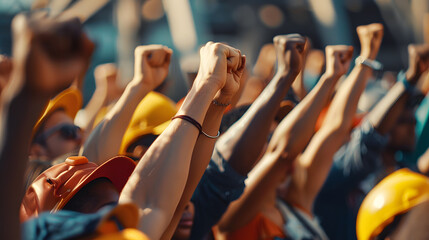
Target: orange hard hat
{"x": 57, "y": 185}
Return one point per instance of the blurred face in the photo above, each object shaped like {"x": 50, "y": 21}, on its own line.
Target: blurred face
{"x": 60, "y": 135}
{"x": 403, "y": 136}
{"x": 183, "y": 230}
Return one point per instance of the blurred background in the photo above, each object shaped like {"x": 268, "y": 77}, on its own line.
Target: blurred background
{"x": 118, "y": 26}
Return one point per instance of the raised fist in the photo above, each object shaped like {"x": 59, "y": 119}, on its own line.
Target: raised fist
{"x": 338, "y": 58}
{"x": 290, "y": 53}
{"x": 418, "y": 61}
{"x": 370, "y": 37}
{"x": 222, "y": 66}
{"x": 151, "y": 64}
{"x": 55, "y": 53}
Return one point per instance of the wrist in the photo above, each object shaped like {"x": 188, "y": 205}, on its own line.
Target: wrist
{"x": 207, "y": 84}
{"x": 369, "y": 62}
{"x": 138, "y": 87}
{"x": 408, "y": 84}
{"x": 411, "y": 76}
{"x": 329, "y": 75}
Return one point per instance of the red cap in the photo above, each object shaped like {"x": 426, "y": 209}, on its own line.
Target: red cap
{"x": 57, "y": 185}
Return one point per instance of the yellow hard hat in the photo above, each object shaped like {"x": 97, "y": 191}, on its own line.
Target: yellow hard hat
{"x": 394, "y": 195}
{"x": 152, "y": 116}
{"x": 70, "y": 100}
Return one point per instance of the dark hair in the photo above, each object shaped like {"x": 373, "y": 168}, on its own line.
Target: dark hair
{"x": 83, "y": 198}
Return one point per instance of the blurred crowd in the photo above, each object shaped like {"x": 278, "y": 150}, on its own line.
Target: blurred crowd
{"x": 302, "y": 144}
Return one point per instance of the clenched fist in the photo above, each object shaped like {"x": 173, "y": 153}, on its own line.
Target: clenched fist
{"x": 370, "y": 37}
{"x": 338, "y": 58}
{"x": 290, "y": 53}
{"x": 418, "y": 61}
{"x": 222, "y": 67}
{"x": 151, "y": 64}
{"x": 54, "y": 52}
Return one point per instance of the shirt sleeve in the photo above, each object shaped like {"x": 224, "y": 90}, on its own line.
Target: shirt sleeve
{"x": 219, "y": 186}
{"x": 357, "y": 158}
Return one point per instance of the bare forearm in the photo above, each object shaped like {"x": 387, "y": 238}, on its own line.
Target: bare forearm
{"x": 300, "y": 122}
{"x": 106, "y": 138}
{"x": 344, "y": 105}
{"x": 160, "y": 177}
{"x": 200, "y": 159}
{"x": 18, "y": 116}
{"x": 316, "y": 161}
{"x": 384, "y": 115}
{"x": 299, "y": 87}
{"x": 244, "y": 141}
{"x": 98, "y": 101}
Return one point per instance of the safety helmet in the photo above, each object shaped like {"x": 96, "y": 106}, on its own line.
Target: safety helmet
{"x": 394, "y": 195}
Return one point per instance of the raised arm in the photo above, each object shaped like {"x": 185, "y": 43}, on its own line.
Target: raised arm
{"x": 150, "y": 70}
{"x": 243, "y": 143}
{"x": 106, "y": 92}
{"x": 160, "y": 177}
{"x": 204, "y": 146}
{"x": 47, "y": 57}
{"x": 314, "y": 164}
{"x": 289, "y": 139}
{"x": 385, "y": 114}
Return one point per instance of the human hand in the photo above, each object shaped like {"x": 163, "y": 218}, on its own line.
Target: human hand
{"x": 221, "y": 66}
{"x": 151, "y": 64}
{"x": 418, "y": 62}
{"x": 290, "y": 53}
{"x": 370, "y": 37}
{"x": 338, "y": 58}
{"x": 54, "y": 53}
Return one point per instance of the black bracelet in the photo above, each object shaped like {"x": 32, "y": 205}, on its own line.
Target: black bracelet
{"x": 190, "y": 120}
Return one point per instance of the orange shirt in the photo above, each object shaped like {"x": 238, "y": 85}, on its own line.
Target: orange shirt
{"x": 260, "y": 228}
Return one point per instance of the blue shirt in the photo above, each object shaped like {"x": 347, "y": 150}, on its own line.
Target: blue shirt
{"x": 219, "y": 186}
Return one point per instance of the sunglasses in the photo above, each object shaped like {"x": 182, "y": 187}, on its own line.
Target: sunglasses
{"x": 67, "y": 131}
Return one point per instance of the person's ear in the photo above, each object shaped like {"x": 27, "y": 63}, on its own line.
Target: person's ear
{"x": 37, "y": 151}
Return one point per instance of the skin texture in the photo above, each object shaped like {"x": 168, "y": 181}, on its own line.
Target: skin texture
{"x": 311, "y": 167}
{"x": 272, "y": 168}
{"x": 106, "y": 92}
{"x": 150, "y": 70}
{"x": 183, "y": 230}
{"x": 48, "y": 56}
{"x": 161, "y": 179}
